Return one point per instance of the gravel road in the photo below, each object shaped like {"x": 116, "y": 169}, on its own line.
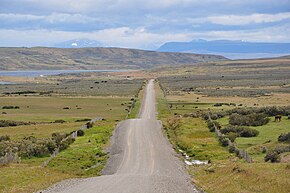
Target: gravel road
{"x": 141, "y": 160}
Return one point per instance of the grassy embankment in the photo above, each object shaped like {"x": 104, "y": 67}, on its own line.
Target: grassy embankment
{"x": 85, "y": 157}
{"x": 226, "y": 173}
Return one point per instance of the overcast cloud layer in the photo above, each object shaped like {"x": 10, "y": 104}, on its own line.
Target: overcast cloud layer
{"x": 144, "y": 24}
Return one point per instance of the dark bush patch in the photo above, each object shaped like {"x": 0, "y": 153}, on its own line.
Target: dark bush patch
{"x": 4, "y": 138}
{"x": 253, "y": 119}
{"x": 90, "y": 124}
{"x": 80, "y": 133}
{"x": 59, "y": 121}
{"x": 224, "y": 141}
{"x": 272, "y": 156}
{"x": 284, "y": 137}
{"x": 83, "y": 120}
{"x": 240, "y": 131}
{"x": 10, "y": 107}
{"x": 8, "y": 123}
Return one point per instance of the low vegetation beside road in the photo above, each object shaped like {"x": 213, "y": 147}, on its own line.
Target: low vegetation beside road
{"x": 183, "y": 114}
{"x": 38, "y": 121}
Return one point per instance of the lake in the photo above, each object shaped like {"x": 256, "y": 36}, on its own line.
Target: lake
{"x": 2, "y": 82}
{"x": 49, "y": 72}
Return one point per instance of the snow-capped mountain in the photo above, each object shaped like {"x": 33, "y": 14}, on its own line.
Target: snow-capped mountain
{"x": 79, "y": 43}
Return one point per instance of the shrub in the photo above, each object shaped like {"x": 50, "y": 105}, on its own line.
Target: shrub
{"x": 83, "y": 120}
{"x": 80, "y": 133}
{"x": 284, "y": 137}
{"x": 240, "y": 131}
{"x": 253, "y": 119}
{"x": 248, "y": 132}
{"x": 10, "y": 107}
{"x": 224, "y": 141}
{"x": 90, "y": 124}
{"x": 232, "y": 149}
{"x": 272, "y": 156}
{"x": 59, "y": 121}
{"x": 232, "y": 136}
{"x": 212, "y": 124}
{"x": 65, "y": 144}
{"x": 8, "y": 123}
{"x": 4, "y": 138}
{"x": 58, "y": 137}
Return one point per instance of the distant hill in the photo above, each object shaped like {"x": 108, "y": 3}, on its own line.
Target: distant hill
{"x": 41, "y": 58}
{"x": 78, "y": 43}
{"x": 230, "y": 49}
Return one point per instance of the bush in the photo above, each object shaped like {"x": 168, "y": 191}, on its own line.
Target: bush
{"x": 212, "y": 124}
{"x": 80, "y": 133}
{"x": 83, "y": 120}
{"x": 65, "y": 144}
{"x": 240, "y": 131}
{"x": 58, "y": 137}
{"x": 272, "y": 156}
{"x": 224, "y": 141}
{"x": 10, "y": 107}
{"x": 232, "y": 136}
{"x": 90, "y": 124}
{"x": 232, "y": 149}
{"x": 59, "y": 121}
{"x": 284, "y": 137}
{"x": 4, "y": 138}
{"x": 8, "y": 123}
{"x": 253, "y": 119}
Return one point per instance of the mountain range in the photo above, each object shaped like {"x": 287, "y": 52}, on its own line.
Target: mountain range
{"x": 43, "y": 58}
{"x": 228, "y": 48}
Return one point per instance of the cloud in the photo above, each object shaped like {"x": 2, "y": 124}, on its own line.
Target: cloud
{"x": 116, "y": 37}
{"x": 52, "y": 18}
{"x": 137, "y": 37}
{"x": 248, "y": 19}
{"x": 141, "y": 23}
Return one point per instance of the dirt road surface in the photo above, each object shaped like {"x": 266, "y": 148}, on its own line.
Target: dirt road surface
{"x": 141, "y": 159}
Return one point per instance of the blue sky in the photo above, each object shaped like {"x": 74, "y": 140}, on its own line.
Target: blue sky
{"x": 144, "y": 24}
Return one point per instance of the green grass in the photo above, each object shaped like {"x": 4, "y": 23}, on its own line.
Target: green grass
{"x": 227, "y": 173}
{"x": 29, "y": 176}
{"x": 24, "y": 178}
{"x": 231, "y": 177}
{"x": 135, "y": 111}
{"x": 85, "y": 152}
{"x": 194, "y": 137}
{"x": 47, "y": 109}
{"x": 162, "y": 104}
{"x": 268, "y": 137}
{"x": 39, "y": 130}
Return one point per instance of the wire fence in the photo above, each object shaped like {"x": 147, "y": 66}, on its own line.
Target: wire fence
{"x": 73, "y": 135}
{"x": 240, "y": 153}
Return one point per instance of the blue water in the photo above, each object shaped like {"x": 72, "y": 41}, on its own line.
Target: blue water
{"x": 1, "y": 83}
{"x": 49, "y": 72}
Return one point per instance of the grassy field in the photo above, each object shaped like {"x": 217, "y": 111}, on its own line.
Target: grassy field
{"x": 39, "y": 130}
{"x": 232, "y": 176}
{"x": 86, "y": 156}
{"x": 226, "y": 173}
{"x": 267, "y": 138}
{"x": 49, "y": 109}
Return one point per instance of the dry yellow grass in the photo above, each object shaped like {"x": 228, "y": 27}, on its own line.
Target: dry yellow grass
{"x": 275, "y": 99}
{"x": 236, "y": 177}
